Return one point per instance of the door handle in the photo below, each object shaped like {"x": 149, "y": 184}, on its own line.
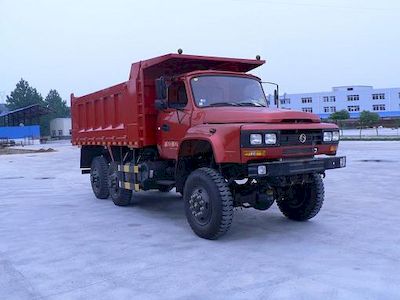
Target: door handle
{"x": 165, "y": 127}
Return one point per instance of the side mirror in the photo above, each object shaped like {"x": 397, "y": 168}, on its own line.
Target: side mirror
{"x": 161, "y": 88}
{"x": 275, "y": 94}
{"x": 160, "y": 104}
{"x": 276, "y": 97}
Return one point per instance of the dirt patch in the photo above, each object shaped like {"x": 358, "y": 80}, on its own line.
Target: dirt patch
{"x": 7, "y": 151}
{"x": 11, "y": 177}
{"x": 377, "y": 160}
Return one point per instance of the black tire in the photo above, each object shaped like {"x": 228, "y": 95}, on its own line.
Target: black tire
{"x": 305, "y": 201}
{"x": 165, "y": 188}
{"x": 99, "y": 177}
{"x": 120, "y": 196}
{"x": 215, "y": 218}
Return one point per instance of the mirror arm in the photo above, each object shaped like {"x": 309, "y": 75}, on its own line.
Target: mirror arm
{"x": 277, "y": 91}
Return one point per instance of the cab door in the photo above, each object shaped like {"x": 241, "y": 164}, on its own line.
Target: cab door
{"x": 174, "y": 121}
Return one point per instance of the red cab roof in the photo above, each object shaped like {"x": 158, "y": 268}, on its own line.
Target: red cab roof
{"x": 174, "y": 64}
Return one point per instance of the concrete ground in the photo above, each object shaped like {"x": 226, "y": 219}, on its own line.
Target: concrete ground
{"x": 57, "y": 241}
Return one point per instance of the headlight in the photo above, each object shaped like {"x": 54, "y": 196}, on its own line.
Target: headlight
{"x": 270, "y": 138}
{"x": 327, "y": 136}
{"x": 255, "y": 139}
{"x": 335, "y": 136}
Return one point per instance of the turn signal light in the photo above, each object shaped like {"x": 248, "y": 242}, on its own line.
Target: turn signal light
{"x": 254, "y": 153}
{"x": 332, "y": 148}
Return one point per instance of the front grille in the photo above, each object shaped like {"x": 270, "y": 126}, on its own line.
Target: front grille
{"x": 293, "y": 137}
{"x": 292, "y": 151}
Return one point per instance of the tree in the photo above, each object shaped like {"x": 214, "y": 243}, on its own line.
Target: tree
{"x": 58, "y": 109}
{"x": 23, "y": 95}
{"x": 58, "y": 106}
{"x": 368, "y": 119}
{"x": 339, "y": 117}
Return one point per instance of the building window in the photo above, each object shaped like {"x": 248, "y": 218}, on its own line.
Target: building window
{"x": 353, "y": 108}
{"x": 306, "y": 100}
{"x": 378, "y": 96}
{"x": 378, "y": 107}
{"x": 60, "y": 132}
{"x": 349, "y": 89}
{"x": 353, "y": 97}
{"x": 329, "y": 99}
{"x": 329, "y": 109}
{"x": 307, "y": 109}
{"x": 53, "y": 133}
{"x": 285, "y": 101}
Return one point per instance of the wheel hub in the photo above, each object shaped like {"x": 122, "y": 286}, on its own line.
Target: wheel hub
{"x": 199, "y": 205}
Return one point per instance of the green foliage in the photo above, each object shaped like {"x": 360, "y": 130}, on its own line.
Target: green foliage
{"x": 368, "y": 119}
{"x": 58, "y": 109}
{"x": 23, "y": 95}
{"x": 58, "y": 106}
{"x": 340, "y": 115}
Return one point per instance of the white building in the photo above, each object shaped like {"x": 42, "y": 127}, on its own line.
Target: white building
{"x": 355, "y": 99}
{"x": 60, "y": 127}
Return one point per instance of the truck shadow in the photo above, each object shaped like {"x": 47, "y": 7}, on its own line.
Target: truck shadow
{"x": 270, "y": 225}
{"x": 247, "y": 223}
{"x": 168, "y": 205}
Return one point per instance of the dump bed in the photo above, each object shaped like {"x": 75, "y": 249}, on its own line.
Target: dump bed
{"x": 124, "y": 114}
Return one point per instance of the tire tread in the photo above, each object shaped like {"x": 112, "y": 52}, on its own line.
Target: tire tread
{"x": 313, "y": 206}
{"x": 226, "y": 201}
{"x": 101, "y": 163}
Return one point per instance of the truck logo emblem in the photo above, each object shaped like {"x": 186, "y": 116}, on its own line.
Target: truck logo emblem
{"x": 302, "y": 138}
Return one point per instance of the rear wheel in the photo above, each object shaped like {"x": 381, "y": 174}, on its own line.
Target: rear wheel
{"x": 303, "y": 202}
{"x": 208, "y": 203}
{"x": 99, "y": 177}
{"x": 120, "y": 196}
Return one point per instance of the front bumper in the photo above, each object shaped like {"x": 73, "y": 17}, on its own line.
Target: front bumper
{"x": 295, "y": 167}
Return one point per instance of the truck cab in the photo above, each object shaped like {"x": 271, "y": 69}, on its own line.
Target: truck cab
{"x": 212, "y": 134}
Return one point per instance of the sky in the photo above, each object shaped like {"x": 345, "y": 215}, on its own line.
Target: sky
{"x": 309, "y": 45}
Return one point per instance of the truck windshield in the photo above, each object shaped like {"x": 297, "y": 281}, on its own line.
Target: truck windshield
{"x": 218, "y": 90}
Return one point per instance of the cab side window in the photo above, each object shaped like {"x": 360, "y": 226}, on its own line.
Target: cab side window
{"x": 177, "y": 97}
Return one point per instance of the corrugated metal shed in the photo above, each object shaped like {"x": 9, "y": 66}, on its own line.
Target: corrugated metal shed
{"x": 25, "y": 115}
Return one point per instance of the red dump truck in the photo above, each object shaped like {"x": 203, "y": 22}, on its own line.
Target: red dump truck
{"x": 203, "y": 126}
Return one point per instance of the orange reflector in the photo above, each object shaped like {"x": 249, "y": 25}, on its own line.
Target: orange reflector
{"x": 333, "y": 148}
{"x": 252, "y": 153}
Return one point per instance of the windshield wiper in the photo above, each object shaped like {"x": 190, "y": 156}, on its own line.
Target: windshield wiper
{"x": 223, "y": 104}
{"x": 250, "y": 104}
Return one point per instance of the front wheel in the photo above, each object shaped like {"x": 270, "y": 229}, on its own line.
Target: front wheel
{"x": 303, "y": 201}
{"x": 208, "y": 203}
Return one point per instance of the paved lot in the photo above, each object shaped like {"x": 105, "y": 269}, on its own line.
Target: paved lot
{"x": 57, "y": 241}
